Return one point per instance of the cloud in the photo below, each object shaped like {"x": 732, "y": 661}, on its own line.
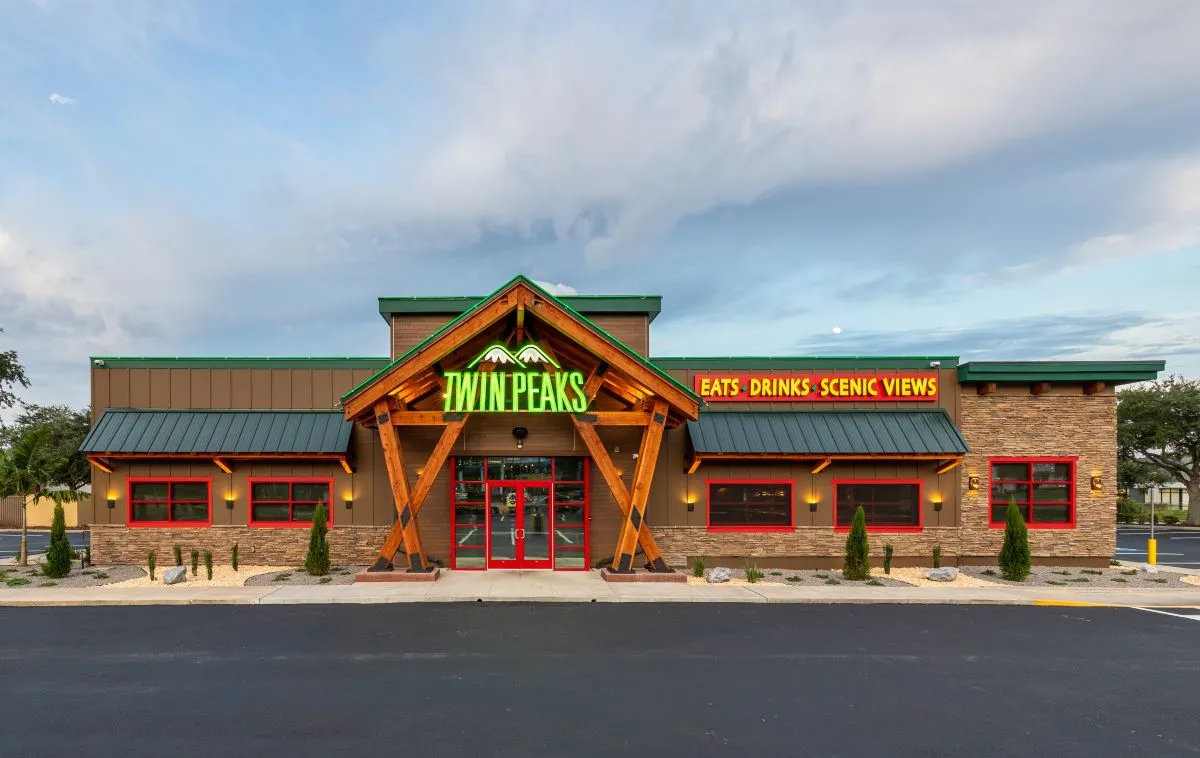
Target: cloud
{"x": 559, "y": 289}
{"x": 61, "y": 99}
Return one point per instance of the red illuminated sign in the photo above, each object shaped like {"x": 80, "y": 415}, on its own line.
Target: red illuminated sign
{"x": 776, "y": 388}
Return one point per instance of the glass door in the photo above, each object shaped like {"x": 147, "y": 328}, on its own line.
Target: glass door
{"x": 519, "y": 526}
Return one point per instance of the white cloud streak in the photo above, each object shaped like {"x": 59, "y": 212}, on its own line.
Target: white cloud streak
{"x": 58, "y": 99}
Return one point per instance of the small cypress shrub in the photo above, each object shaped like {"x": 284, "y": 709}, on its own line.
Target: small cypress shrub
{"x": 937, "y": 556}
{"x": 208, "y": 563}
{"x": 1014, "y": 553}
{"x": 178, "y": 555}
{"x": 195, "y": 560}
{"x": 87, "y": 554}
{"x": 316, "y": 560}
{"x": 233, "y": 556}
{"x": 698, "y": 566}
{"x": 150, "y": 561}
{"x": 887, "y": 558}
{"x": 58, "y": 554}
{"x": 857, "y": 566}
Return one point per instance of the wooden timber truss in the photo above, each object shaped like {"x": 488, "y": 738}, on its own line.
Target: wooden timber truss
{"x": 622, "y": 389}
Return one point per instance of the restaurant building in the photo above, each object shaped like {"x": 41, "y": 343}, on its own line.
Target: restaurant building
{"x": 525, "y": 430}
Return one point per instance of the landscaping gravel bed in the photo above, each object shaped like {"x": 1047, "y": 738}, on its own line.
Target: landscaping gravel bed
{"x": 20, "y": 577}
{"x": 807, "y": 578}
{"x": 1053, "y": 576}
{"x": 337, "y": 575}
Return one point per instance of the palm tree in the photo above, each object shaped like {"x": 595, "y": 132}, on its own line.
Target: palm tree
{"x": 26, "y": 471}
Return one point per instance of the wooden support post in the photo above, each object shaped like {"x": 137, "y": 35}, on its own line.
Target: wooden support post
{"x": 106, "y": 468}
{"x": 643, "y": 474}
{"x": 393, "y": 456}
{"x": 591, "y": 440}
{"x": 397, "y": 536}
{"x": 948, "y": 466}
{"x": 693, "y": 465}
{"x": 222, "y": 465}
{"x": 822, "y": 465}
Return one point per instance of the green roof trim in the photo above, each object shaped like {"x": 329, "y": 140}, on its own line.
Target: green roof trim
{"x": 521, "y": 278}
{"x": 1060, "y": 372}
{"x": 763, "y": 363}
{"x": 649, "y": 305}
{"x": 372, "y": 364}
{"x": 848, "y": 432}
{"x": 133, "y": 431}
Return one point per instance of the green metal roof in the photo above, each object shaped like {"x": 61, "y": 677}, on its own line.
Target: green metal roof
{"x": 1064, "y": 372}
{"x": 537, "y": 288}
{"x": 371, "y": 364}
{"x": 849, "y": 432}
{"x": 219, "y": 432}
{"x": 764, "y": 363}
{"x": 650, "y": 305}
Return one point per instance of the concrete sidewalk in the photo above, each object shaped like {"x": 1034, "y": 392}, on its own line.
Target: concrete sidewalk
{"x": 536, "y": 586}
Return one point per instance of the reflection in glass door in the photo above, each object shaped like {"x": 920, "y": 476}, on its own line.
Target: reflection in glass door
{"x": 519, "y": 528}
{"x": 535, "y": 526}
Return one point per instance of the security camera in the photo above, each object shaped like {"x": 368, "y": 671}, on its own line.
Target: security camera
{"x": 98, "y": 362}
{"x": 935, "y": 364}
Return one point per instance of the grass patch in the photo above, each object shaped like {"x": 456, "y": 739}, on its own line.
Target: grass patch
{"x": 1061, "y": 573}
{"x": 1079, "y": 579}
{"x": 48, "y": 584}
{"x": 1056, "y": 583}
{"x": 1130, "y": 572}
{"x": 989, "y": 572}
{"x": 1121, "y": 579}
{"x": 1093, "y": 572}
{"x": 88, "y": 572}
{"x": 776, "y": 573}
{"x": 17, "y": 581}
{"x": 753, "y": 574}
{"x": 282, "y": 577}
{"x": 1159, "y": 580}
{"x": 325, "y": 580}
{"x": 874, "y": 583}
{"x": 831, "y": 580}
{"x": 1113, "y": 562}
{"x": 822, "y": 576}
{"x": 101, "y": 575}
{"x": 793, "y": 579}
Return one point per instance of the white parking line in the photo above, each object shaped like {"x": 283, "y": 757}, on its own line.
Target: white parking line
{"x": 1188, "y": 616}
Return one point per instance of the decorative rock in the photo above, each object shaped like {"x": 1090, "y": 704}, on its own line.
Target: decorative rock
{"x": 943, "y": 574}
{"x": 175, "y": 575}
{"x": 718, "y": 575}
{"x": 1149, "y": 569}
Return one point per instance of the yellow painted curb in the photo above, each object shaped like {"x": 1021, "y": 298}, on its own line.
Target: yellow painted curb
{"x": 1073, "y": 604}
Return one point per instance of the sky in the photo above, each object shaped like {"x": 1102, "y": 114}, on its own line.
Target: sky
{"x": 997, "y": 181}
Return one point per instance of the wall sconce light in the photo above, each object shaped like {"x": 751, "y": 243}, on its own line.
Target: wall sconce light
{"x": 112, "y": 502}
{"x": 812, "y": 503}
{"x": 349, "y": 500}
{"x": 972, "y": 483}
{"x": 691, "y": 503}
{"x": 519, "y": 433}
{"x": 229, "y": 503}
{"x": 1097, "y": 484}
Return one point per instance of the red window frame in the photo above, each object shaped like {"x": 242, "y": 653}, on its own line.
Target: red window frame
{"x": 552, "y": 482}
{"x": 291, "y": 501}
{"x": 920, "y": 526}
{"x": 791, "y": 525}
{"x": 169, "y": 480}
{"x": 1072, "y": 495}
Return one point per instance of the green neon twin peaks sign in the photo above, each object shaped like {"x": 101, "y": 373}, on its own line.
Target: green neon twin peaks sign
{"x": 525, "y": 381}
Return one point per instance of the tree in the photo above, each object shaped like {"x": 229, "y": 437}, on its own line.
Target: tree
{"x": 857, "y": 566}
{"x": 28, "y": 471}
{"x": 1014, "y": 553}
{"x": 1159, "y": 423}
{"x": 1132, "y": 472}
{"x": 11, "y": 375}
{"x": 316, "y": 560}
{"x": 58, "y": 554}
{"x": 66, "y": 428}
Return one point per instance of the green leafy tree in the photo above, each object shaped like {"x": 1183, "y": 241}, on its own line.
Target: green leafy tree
{"x": 12, "y": 375}
{"x": 65, "y": 430}
{"x": 1159, "y": 423}
{"x": 1015, "y": 559}
{"x": 58, "y": 554}
{"x": 28, "y": 471}
{"x": 857, "y": 565}
{"x": 316, "y": 560}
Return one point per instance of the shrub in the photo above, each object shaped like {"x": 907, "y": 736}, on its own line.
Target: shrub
{"x": 1170, "y": 519}
{"x": 195, "y": 560}
{"x": 793, "y": 578}
{"x": 857, "y": 566}
{"x": 831, "y": 580}
{"x": 150, "y": 560}
{"x": 753, "y": 574}
{"x": 316, "y": 560}
{"x": 937, "y": 556}
{"x": 178, "y": 555}
{"x": 58, "y": 554}
{"x": 1128, "y": 511}
{"x": 698, "y": 566}
{"x": 1113, "y": 562}
{"x": 87, "y": 554}
{"x": 233, "y": 556}
{"x": 1014, "y": 559}
{"x": 325, "y": 580}
{"x": 1096, "y": 572}
{"x": 208, "y": 564}
{"x": 887, "y": 558}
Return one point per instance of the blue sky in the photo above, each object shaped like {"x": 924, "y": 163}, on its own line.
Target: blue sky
{"x": 992, "y": 180}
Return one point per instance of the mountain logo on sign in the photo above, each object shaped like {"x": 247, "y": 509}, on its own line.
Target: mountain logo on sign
{"x": 526, "y": 355}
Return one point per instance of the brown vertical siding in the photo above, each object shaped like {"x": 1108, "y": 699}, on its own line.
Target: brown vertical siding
{"x": 631, "y": 329}
{"x": 410, "y": 330}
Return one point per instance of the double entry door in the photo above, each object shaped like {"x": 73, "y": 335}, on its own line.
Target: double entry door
{"x": 519, "y": 524}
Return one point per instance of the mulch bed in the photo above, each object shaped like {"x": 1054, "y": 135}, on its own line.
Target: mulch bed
{"x": 21, "y": 577}
{"x": 1107, "y": 578}
{"x": 337, "y": 575}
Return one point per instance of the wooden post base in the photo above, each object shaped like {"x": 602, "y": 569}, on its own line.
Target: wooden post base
{"x": 397, "y": 576}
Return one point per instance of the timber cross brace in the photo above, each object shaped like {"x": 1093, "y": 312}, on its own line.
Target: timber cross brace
{"x": 632, "y": 501}
{"x": 405, "y": 531}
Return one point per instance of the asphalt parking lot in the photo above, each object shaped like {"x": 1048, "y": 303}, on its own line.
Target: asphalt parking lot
{"x": 1176, "y": 546}
{"x": 605, "y": 680}
{"x": 10, "y": 541}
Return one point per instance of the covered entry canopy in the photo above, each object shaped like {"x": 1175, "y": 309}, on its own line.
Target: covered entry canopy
{"x": 826, "y": 436}
{"x": 521, "y": 350}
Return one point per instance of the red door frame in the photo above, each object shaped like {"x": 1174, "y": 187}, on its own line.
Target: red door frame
{"x": 520, "y": 561}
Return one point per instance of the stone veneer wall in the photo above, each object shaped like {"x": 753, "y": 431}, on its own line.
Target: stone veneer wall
{"x": 265, "y": 547}
{"x": 1063, "y": 422}
{"x": 816, "y": 545}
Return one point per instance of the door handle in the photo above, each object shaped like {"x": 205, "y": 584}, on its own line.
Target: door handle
{"x": 521, "y": 534}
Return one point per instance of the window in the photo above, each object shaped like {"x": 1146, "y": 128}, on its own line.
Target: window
{"x": 289, "y": 502}
{"x": 1171, "y": 496}
{"x": 1044, "y": 489}
{"x": 570, "y": 513}
{"x": 470, "y": 514}
{"x": 161, "y": 502}
{"x": 889, "y": 505}
{"x": 750, "y": 505}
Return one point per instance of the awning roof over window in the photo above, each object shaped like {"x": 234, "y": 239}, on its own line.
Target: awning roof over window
{"x": 827, "y": 433}
{"x": 122, "y": 431}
